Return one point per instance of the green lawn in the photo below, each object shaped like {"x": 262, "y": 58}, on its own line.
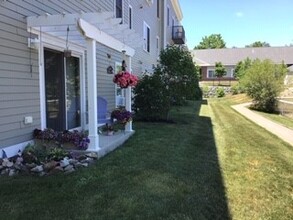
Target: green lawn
{"x": 212, "y": 163}
{"x": 283, "y": 120}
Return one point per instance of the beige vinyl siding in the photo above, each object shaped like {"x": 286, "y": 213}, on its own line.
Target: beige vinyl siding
{"x": 19, "y": 91}
{"x": 19, "y": 87}
{"x": 146, "y": 14}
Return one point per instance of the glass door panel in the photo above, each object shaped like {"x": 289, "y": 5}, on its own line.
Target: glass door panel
{"x": 72, "y": 92}
{"x": 54, "y": 89}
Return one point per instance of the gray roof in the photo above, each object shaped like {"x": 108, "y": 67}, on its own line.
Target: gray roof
{"x": 231, "y": 56}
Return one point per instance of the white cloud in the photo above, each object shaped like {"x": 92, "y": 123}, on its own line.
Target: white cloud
{"x": 239, "y": 14}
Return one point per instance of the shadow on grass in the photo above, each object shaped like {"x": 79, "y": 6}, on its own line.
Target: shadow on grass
{"x": 165, "y": 171}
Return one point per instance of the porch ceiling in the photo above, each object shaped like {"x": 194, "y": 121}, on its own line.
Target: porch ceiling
{"x": 102, "y": 23}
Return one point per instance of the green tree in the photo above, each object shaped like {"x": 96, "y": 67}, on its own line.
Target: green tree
{"x": 174, "y": 81}
{"x": 263, "y": 82}
{"x": 179, "y": 74}
{"x": 241, "y": 67}
{"x": 151, "y": 100}
{"x": 213, "y": 41}
{"x": 258, "y": 44}
{"x": 220, "y": 70}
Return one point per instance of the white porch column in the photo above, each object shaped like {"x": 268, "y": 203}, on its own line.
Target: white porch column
{"x": 92, "y": 95}
{"x": 128, "y": 126}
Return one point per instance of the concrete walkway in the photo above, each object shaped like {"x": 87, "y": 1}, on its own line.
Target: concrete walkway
{"x": 279, "y": 130}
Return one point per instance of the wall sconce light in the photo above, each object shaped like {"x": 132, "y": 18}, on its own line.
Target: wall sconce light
{"x": 33, "y": 43}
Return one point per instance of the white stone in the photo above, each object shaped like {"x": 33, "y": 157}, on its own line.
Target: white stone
{"x": 92, "y": 155}
{"x": 69, "y": 171}
{"x": 9, "y": 164}
{"x": 5, "y": 171}
{"x": 64, "y": 162}
{"x": 38, "y": 169}
{"x": 11, "y": 172}
{"x": 69, "y": 167}
{"x": 19, "y": 160}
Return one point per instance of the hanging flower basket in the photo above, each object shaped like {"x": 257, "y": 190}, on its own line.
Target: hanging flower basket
{"x": 125, "y": 79}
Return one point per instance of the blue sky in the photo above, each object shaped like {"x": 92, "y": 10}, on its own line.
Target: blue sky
{"x": 240, "y": 22}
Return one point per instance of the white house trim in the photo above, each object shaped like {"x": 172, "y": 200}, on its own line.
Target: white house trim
{"x": 83, "y": 36}
{"x": 90, "y": 31}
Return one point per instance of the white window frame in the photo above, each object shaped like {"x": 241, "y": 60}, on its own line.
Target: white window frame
{"x": 146, "y": 38}
{"x": 51, "y": 42}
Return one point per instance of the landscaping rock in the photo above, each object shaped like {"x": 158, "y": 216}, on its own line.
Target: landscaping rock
{"x": 12, "y": 172}
{"x": 18, "y": 160}
{"x": 42, "y": 173}
{"x": 17, "y": 166}
{"x": 69, "y": 170}
{"x": 20, "y": 164}
{"x": 92, "y": 155}
{"x": 37, "y": 169}
{"x": 73, "y": 161}
{"x": 7, "y": 163}
{"x": 78, "y": 165}
{"x": 30, "y": 165}
{"x": 4, "y": 171}
{"x": 64, "y": 162}
{"x": 69, "y": 167}
{"x": 56, "y": 170}
{"x": 50, "y": 165}
{"x": 88, "y": 160}
{"x": 85, "y": 164}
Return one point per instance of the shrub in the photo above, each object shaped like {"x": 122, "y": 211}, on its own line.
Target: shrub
{"x": 236, "y": 89}
{"x": 151, "y": 100}
{"x": 263, "y": 82}
{"x": 35, "y": 153}
{"x": 205, "y": 91}
{"x": 220, "y": 92}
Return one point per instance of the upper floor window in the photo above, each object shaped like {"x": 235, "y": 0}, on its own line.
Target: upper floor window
{"x": 119, "y": 6}
{"x": 130, "y": 17}
{"x": 146, "y": 37}
{"x": 168, "y": 16}
{"x": 158, "y": 8}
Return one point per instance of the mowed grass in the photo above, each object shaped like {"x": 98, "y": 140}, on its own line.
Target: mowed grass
{"x": 257, "y": 166}
{"x": 281, "y": 119}
{"x": 212, "y": 163}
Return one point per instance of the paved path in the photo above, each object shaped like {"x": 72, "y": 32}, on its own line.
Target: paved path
{"x": 279, "y": 130}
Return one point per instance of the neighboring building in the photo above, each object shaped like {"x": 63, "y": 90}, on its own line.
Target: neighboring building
{"x": 207, "y": 58}
{"x": 43, "y": 85}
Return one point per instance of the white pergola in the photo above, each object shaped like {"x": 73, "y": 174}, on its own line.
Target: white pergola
{"x": 85, "y": 30}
